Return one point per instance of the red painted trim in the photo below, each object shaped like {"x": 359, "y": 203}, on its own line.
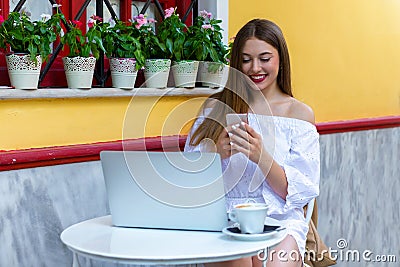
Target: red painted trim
{"x": 168, "y": 3}
{"x": 37, "y": 157}
{"x": 74, "y": 8}
{"x": 182, "y": 7}
{"x": 358, "y": 125}
{"x": 5, "y": 9}
{"x": 125, "y": 10}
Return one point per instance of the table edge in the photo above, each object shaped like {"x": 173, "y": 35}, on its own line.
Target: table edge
{"x": 155, "y": 261}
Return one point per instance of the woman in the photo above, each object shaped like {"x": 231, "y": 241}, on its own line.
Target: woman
{"x": 285, "y": 173}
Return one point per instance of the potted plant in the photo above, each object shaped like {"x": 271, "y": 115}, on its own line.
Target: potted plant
{"x": 29, "y": 44}
{"x": 84, "y": 49}
{"x": 123, "y": 47}
{"x": 172, "y": 33}
{"x": 157, "y": 58}
{"x": 204, "y": 43}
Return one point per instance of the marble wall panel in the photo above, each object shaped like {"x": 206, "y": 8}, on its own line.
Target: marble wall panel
{"x": 37, "y": 204}
{"x": 359, "y": 202}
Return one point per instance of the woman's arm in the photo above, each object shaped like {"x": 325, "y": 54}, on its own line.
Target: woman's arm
{"x": 246, "y": 140}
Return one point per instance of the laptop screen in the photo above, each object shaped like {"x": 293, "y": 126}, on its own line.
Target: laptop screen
{"x": 169, "y": 190}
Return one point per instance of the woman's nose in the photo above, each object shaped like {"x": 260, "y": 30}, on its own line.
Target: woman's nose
{"x": 256, "y": 67}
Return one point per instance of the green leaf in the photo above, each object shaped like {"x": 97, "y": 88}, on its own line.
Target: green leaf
{"x": 169, "y": 45}
{"x": 17, "y": 35}
{"x": 29, "y": 27}
{"x": 99, "y": 43}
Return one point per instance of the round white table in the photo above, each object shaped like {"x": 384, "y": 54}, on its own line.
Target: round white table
{"x": 98, "y": 239}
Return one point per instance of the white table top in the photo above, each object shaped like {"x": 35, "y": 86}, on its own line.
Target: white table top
{"x": 98, "y": 239}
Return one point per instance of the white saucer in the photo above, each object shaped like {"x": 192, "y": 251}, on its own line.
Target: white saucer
{"x": 231, "y": 231}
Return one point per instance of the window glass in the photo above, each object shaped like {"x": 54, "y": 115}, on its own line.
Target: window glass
{"x": 91, "y": 9}
{"x": 34, "y": 8}
{"x": 151, "y": 11}
{"x": 137, "y": 6}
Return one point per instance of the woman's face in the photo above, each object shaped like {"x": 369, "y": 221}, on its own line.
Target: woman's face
{"x": 260, "y": 63}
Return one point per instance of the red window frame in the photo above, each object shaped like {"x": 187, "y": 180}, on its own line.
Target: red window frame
{"x": 56, "y": 77}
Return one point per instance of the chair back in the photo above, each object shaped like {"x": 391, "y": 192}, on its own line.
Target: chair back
{"x": 310, "y": 209}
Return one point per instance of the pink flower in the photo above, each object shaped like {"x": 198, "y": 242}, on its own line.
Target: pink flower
{"x": 1, "y": 19}
{"x": 140, "y": 20}
{"x": 207, "y": 26}
{"x": 91, "y": 23}
{"x": 140, "y": 16}
{"x": 77, "y": 23}
{"x": 205, "y": 14}
{"x": 169, "y": 12}
{"x": 96, "y": 18}
{"x": 151, "y": 20}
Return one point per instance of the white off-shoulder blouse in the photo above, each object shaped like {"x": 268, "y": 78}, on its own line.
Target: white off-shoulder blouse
{"x": 294, "y": 145}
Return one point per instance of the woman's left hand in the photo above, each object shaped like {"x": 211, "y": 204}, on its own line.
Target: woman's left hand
{"x": 246, "y": 140}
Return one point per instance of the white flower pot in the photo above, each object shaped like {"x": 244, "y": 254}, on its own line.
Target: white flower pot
{"x": 185, "y": 73}
{"x": 213, "y": 74}
{"x": 123, "y": 72}
{"x": 23, "y": 72}
{"x": 156, "y": 72}
{"x": 79, "y": 71}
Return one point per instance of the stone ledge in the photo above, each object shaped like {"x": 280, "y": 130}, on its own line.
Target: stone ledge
{"x": 9, "y": 93}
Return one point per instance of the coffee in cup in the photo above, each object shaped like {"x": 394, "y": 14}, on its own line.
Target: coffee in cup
{"x": 250, "y": 216}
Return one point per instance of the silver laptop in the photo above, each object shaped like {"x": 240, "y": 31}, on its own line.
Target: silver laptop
{"x": 168, "y": 190}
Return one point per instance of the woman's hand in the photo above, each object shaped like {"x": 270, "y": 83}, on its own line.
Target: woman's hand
{"x": 245, "y": 139}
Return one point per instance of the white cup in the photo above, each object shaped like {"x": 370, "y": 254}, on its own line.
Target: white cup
{"x": 250, "y": 216}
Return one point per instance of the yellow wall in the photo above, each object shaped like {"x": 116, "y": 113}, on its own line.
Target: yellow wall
{"x": 345, "y": 55}
{"x": 58, "y": 122}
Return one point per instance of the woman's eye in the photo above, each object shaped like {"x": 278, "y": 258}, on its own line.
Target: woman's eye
{"x": 265, "y": 59}
{"x": 246, "y": 60}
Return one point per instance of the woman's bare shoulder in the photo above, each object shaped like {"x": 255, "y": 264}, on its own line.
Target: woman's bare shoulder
{"x": 301, "y": 111}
